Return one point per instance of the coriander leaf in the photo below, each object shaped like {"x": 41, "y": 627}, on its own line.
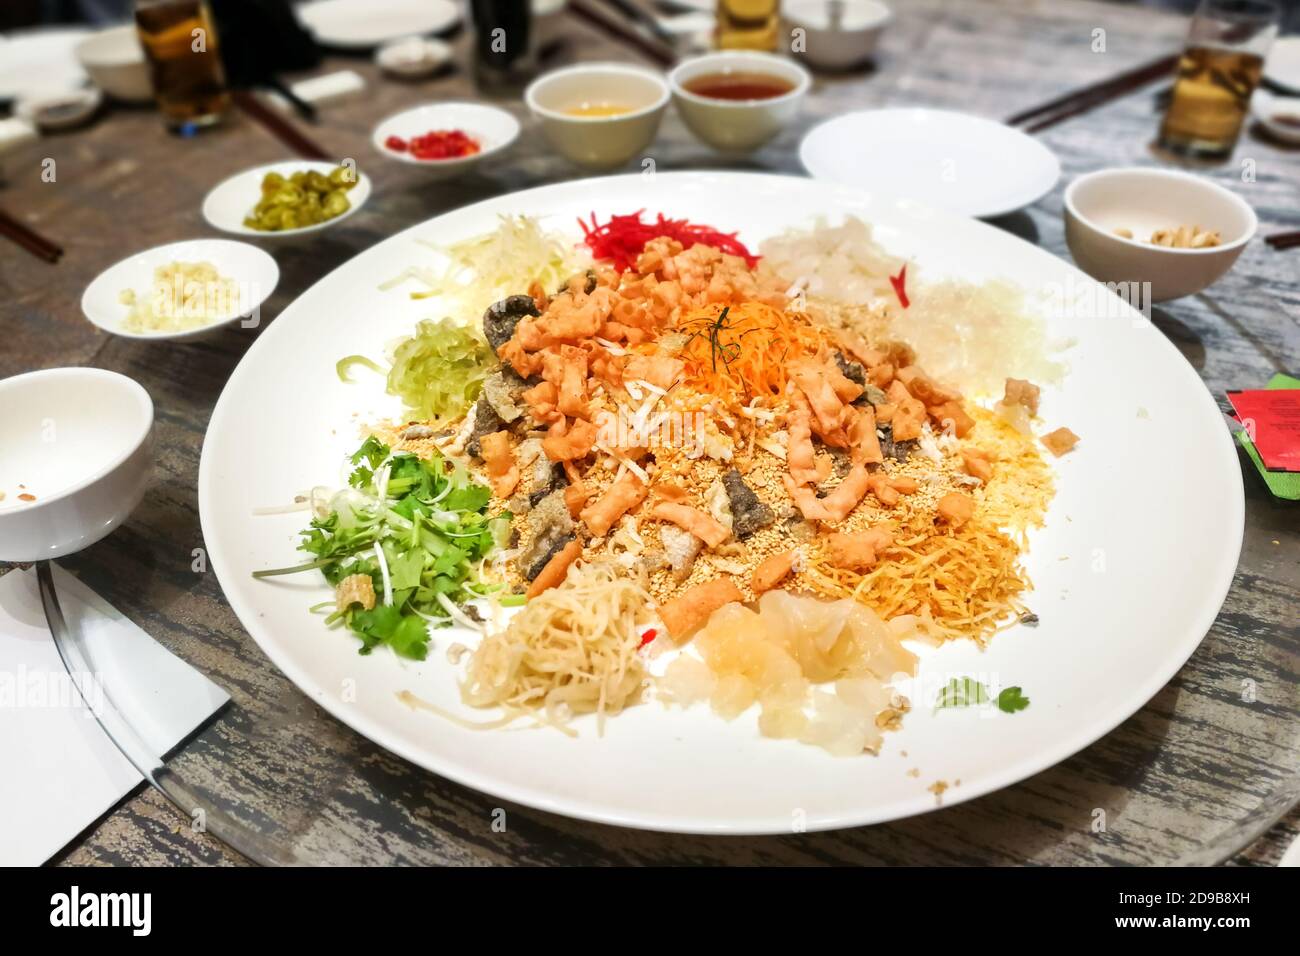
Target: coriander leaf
{"x": 411, "y": 638}
{"x": 1012, "y": 700}
{"x": 404, "y": 570}
{"x": 963, "y": 692}
{"x": 367, "y": 458}
{"x": 385, "y": 624}
{"x": 469, "y": 497}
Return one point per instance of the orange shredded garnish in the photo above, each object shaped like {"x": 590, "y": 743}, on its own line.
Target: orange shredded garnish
{"x": 743, "y": 350}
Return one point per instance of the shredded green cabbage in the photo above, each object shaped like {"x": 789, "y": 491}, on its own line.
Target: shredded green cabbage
{"x": 484, "y": 269}
{"x": 439, "y": 371}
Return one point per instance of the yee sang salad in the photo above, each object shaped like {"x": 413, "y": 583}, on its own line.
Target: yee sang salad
{"x": 742, "y": 478}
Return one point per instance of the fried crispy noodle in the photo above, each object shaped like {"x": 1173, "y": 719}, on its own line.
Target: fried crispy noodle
{"x": 965, "y": 583}
{"x": 571, "y": 650}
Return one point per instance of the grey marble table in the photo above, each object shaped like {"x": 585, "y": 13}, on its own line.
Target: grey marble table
{"x": 1198, "y": 774}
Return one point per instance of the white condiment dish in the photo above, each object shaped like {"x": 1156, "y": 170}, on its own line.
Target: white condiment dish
{"x": 494, "y": 129}
{"x": 1142, "y": 201}
{"x": 78, "y": 442}
{"x": 58, "y": 109}
{"x": 252, "y": 269}
{"x": 598, "y": 142}
{"x": 1280, "y": 115}
{"x": 114, "y": 60}
{"x": 837, "y": 44}
{"x": 231, "y": 201}
{"x": 738, "y": 126}
{"x": 413, "y": 57}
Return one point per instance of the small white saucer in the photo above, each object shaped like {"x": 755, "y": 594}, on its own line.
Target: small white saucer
{"x": 413, "y": 57}
{"x": 493, "y": 128}
{"x": 252, "y": 268}
{"x": 1270, "y": 110}
{"x": 957, "y": 162}
{"x": 226, "y": 206}
{"x": 78, "y": 452}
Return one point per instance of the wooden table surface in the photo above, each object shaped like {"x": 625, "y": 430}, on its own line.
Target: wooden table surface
{"x": 1193, "y": 771}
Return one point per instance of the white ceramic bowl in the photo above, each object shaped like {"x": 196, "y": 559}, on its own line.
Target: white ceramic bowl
{"x": 252, "y": 268}
{"x": 230, "y": 201}
{"x": 1143, "y": 200}
{"x": 598, "y": 142}
{"x": 841, "y": 46}
{"x": 79, "y": 442}
{"x": 114, "y": 60}
{"x": 1271, "y": 110}
{"x": 738, "y": 126}
{"x": 493, "y": 128}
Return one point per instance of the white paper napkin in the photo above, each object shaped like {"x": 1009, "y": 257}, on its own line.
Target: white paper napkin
{"x": 60, "y": 770}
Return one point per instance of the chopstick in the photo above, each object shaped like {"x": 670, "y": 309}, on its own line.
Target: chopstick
{"x": 278, "y": 126}
{"x": 1089, "y": 97}
{"x": 28, "y": 238}
{"x": 303, "y": 108}
{"x": 656, "y": 51}
{"x": 1283, "y": 240}
{"x": 647, "y": 20}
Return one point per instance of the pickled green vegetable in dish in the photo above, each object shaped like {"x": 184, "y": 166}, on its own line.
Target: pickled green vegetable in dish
{"x": 305, "y": 198}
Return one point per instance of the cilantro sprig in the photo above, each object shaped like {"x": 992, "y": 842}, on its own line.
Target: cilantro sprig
{"x": 428, "y": 518}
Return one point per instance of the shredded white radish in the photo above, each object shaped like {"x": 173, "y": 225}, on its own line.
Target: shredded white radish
{"x": 383, "y": 570}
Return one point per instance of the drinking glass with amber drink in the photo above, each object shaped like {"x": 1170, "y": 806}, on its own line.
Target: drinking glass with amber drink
{"x": 748, "y": 25}
{"x": 1217, "y": 73}
{"x": 180, "y": 43}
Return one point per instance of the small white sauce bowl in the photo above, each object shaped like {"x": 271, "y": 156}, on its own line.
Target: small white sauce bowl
{"x": 1144, "y": 200}
{"x": 493, "y": 128}
{"x": 598, "y": 142}
{"x": 738, "y": 126}
{"x": 252, "y": 268}
{"x": 837, "y": 47}
{"x": 114, "y": 60}
{"x": 230, "y": 201}
{"x": 1269, "y": 109}
{"x": 80, "y": 442}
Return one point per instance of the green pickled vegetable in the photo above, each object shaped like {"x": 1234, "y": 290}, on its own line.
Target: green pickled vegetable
{"x": 304, "y": 198}
{"x": 438, "y": 372}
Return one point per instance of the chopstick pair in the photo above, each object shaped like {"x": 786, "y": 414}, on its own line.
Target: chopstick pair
{"x": 593, "y": 16}
{"x": 1284, "y": 240}
{"x": 278, "y": 126}
{"x": 1090, "y": 97}
{"x": 29, "y": 238}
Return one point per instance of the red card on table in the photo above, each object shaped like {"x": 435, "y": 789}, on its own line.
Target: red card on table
{"x": 1271, "y": 418}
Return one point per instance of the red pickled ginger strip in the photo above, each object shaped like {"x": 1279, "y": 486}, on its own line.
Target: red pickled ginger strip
{"x": 622, "y": 239}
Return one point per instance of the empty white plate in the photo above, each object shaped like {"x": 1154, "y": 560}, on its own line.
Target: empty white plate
{"x": 229, "y": 202}
{"x": 492, "y": 128}
{"x": 956, "y": 162}
{"x": 1283, "y": 64}
{"x": 364, "y": 24}
{"x": 253, "y": 270}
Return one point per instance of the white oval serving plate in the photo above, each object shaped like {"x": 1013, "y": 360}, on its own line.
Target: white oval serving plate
{"x": 1134, "y": 562}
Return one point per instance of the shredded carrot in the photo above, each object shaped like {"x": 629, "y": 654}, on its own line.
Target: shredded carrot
{"x": 744, "y": 350}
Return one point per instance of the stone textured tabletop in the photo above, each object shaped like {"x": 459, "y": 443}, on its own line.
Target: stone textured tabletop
{"x": 1192, "y": 773}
